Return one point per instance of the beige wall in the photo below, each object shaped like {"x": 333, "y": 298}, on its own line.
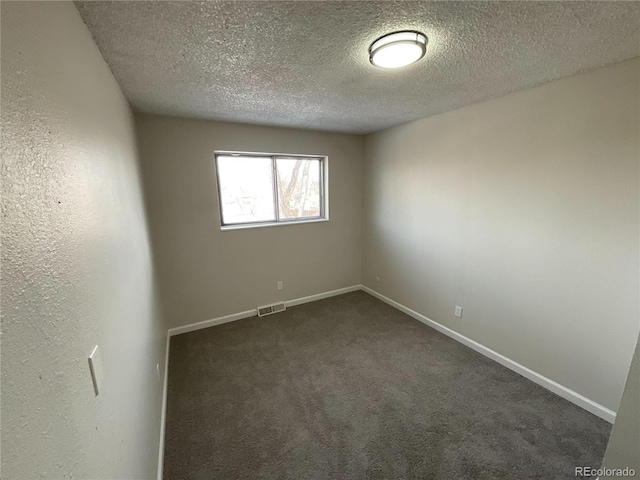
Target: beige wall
{"x": 624, "y": 445}
{"x": 524, "y": 211}
{"x": 205, "y": 272}
{"x": 76, "y": 263}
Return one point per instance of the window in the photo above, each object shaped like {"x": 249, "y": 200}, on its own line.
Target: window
{"x": 258, "y": 189}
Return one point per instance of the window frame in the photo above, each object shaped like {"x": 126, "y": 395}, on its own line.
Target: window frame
{"x": 324, "y": 190}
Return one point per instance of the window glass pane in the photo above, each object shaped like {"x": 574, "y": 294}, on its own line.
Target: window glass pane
{"x": 246, "y": 189}
{"x": 298, "y": 187}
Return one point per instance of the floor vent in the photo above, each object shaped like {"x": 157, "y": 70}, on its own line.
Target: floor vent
{"x": 270, "y": 309}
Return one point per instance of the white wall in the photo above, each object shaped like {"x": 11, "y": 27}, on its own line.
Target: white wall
{"x": 524, "y": 210}
{"x": 207, "y": 273}
{"x": 76, "y": 263}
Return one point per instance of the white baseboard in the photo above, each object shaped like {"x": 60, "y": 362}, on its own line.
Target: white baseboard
{"x": 252, "y": 313}
{"x": 555, "y": 387}
{"x": 192, "y": 327}
{"x": 320, "y": 296}
{"x": 163, "y": 411}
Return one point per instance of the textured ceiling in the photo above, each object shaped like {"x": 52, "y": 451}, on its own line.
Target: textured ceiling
{"x": 305, "y": 64}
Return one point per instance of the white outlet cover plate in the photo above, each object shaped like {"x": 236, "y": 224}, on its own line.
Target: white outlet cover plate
{"x": 95, "y": 364}
{"x": 458, "y": 312}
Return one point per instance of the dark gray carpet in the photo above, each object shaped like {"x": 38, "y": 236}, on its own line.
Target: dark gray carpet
{"x": 350, "y": 388}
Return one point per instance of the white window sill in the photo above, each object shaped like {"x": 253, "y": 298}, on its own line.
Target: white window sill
{"x": 246, "y": 226}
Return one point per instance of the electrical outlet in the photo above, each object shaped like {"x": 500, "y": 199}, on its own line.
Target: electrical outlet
{"x": 157, "y": 371}
{"x": 280, "y": 285}
{"x": 377, "y": 279}
{"x": 458, "y": 312}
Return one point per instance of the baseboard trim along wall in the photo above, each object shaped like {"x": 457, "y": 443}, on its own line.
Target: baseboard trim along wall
{"x": 163, "y": 411}
{"x": 192, "y": 327}
{"x": 253, "y": 312}
{"x": 555, "y": 387}
{"x": 541, "y": 380}
{"x": 320, "y": 296}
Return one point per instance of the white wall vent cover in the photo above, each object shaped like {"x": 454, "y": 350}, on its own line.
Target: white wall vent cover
{"x": 271, "y": 309}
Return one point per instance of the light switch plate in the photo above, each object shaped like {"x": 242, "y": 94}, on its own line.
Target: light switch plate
{"x": 95, "y": 364}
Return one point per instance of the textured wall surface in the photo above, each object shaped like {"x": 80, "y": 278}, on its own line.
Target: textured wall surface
{"x": 524, "y": 210}
{"x": 76, "y": 263}
{"x": 305, "y": 64}
{"x": 205, "y": 272}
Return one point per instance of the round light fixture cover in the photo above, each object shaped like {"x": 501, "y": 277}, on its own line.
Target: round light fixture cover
{"x": 398, "y": 49}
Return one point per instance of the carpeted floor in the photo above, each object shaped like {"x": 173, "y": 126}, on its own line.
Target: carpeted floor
{"x": 350, "y": 388}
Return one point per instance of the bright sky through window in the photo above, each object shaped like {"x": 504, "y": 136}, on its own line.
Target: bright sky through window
{"x": 246, "y": 185}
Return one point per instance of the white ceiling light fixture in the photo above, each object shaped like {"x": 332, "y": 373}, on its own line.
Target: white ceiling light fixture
{"x": 398, "y": 49}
